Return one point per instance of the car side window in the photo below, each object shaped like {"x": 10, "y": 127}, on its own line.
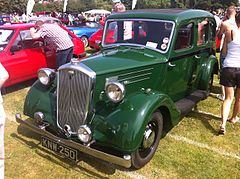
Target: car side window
{"x": 212, "y": 31}
{"x": 28, "y": 42}
{"x": 184, "y": 37}
{"x": 18, "y": 43}
{"x": 202, "y": 32}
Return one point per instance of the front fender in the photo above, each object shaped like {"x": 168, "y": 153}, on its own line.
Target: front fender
{"x": 123, "y": 128}
{"x": 40, "y": 98}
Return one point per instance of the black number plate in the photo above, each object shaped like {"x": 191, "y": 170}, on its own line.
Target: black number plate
{"x": 59, "y": 148}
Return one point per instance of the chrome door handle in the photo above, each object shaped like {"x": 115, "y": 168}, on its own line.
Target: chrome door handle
{"x": 171, "y": 65}
{"x": 197, "y": 56}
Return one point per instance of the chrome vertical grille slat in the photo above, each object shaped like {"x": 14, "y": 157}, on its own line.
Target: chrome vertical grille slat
{"x": 74, "y": 95}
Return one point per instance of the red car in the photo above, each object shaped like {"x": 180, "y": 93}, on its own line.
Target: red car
{"x": 95, "y": 39}
{"x": 22, "y": 56}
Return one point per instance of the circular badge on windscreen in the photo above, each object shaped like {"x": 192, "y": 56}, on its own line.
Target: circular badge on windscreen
{"x": 163, "y": 46}
{"x": 165, "y": 40}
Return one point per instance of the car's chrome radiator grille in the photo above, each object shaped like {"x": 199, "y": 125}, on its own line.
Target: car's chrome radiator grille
{"x": 74, "y": 93}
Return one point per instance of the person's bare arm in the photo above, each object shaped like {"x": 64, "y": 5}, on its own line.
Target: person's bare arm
{"x": 227, "y": 39}
{"x": 34, "y": 33}
{"x": 221, "y": 30}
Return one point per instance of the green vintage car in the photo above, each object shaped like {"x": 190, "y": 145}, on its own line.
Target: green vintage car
{"x": 116, "y": 105}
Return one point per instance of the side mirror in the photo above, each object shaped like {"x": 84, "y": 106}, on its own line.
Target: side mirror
{"x": 14, "y": 48}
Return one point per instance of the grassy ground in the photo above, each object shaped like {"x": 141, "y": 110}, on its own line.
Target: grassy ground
{"x": 192, "y": 149}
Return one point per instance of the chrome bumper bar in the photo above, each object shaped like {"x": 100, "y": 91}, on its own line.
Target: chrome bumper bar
{"x": 85, "y": 149}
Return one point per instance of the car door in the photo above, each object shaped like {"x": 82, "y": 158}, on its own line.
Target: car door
{"x": 206, "y": 35}
{"x": 24, "y": 58}
{"x": 182, "y": 64}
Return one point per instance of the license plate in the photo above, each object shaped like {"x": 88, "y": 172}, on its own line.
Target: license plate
{"x": 59, "y": 148}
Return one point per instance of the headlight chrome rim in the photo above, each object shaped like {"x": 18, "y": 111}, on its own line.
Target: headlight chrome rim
{"x": 112, "y": 95}
{"x": 46, "y": 75}
{"x": 84, "y": 134}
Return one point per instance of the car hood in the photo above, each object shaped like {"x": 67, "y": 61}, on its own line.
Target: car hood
{"x": 122, "y": 58}
{"x": 80, "y": 28}
{"x": 76, "y": 29}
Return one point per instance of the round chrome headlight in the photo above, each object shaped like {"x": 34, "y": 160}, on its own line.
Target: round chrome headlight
{"x": 84, "y": 134}
{"x": 46, "y": 75}
{"x": 115, "y": 91}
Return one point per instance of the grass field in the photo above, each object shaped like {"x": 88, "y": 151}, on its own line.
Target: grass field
{"x": 192, "y": 149}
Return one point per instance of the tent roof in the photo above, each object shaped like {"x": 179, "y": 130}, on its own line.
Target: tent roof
{"x": 97, "y": 11}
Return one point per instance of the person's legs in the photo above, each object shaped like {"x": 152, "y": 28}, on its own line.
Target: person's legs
{"x": 236, "y": 108}
{"x": 64, "y": 56}
{"x": 229, "y": 95}
{"x": 1, "y": 151}
{"x": 221, "y": 96}
{"x": 60, "y": 59}
{"x": 69, "y": 55}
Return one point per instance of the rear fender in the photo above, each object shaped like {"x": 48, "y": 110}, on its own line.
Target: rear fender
{"x": 207, "y": 71}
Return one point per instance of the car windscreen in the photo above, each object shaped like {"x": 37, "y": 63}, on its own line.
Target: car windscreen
{"x": 151, "y": 33}
{"x": 5, "y": 37}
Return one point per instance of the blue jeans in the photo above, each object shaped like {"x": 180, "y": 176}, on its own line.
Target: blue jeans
{"x": 64, "y": 56}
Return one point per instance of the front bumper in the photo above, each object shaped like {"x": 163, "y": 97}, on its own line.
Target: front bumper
{"x": 85, "y": 149}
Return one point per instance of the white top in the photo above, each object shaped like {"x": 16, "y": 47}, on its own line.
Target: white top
{"x": 218, "y": 21}
{"x": 3, "y": 78}
{"x": 233, "y": 53}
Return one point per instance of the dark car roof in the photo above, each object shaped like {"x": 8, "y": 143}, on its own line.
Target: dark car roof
{"x": 17, "y": 26}
{"x": 168, "y": 14}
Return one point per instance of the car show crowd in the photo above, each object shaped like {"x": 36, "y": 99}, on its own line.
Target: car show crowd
{"x": 66, "y": 18}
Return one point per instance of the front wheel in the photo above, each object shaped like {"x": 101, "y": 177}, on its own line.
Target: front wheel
{"x": 151, "y": 138}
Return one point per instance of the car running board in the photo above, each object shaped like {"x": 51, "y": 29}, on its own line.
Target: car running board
{"x": 186, "y": 105}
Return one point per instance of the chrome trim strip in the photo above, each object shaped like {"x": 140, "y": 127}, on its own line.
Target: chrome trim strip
{"x": 85, "y": 149}
{"x": 130, "y": 82}
{"x": 79, "y": 66}
{"x": 132, "y": 77}
{"x": 139, "y": 71}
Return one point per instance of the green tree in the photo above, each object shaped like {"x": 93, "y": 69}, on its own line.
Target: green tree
{"x": 10, "y": 6}
{"x": 76, "y": 6}
{"x": 144, "y": 4}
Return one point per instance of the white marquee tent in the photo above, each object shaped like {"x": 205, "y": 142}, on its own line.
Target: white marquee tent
{"x": 98, "y": 11}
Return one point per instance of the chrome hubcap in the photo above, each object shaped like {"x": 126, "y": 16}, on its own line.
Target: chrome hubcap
{"x": 149, "y": 136}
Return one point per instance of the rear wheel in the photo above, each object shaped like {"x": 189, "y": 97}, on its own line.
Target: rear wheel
{"x": 85, "y": 40}
{"x": 151, "y": 138}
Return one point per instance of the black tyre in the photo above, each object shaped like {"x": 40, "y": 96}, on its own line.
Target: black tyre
{"x": 151, "y": 138}
{"x": 85, "y": 40}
